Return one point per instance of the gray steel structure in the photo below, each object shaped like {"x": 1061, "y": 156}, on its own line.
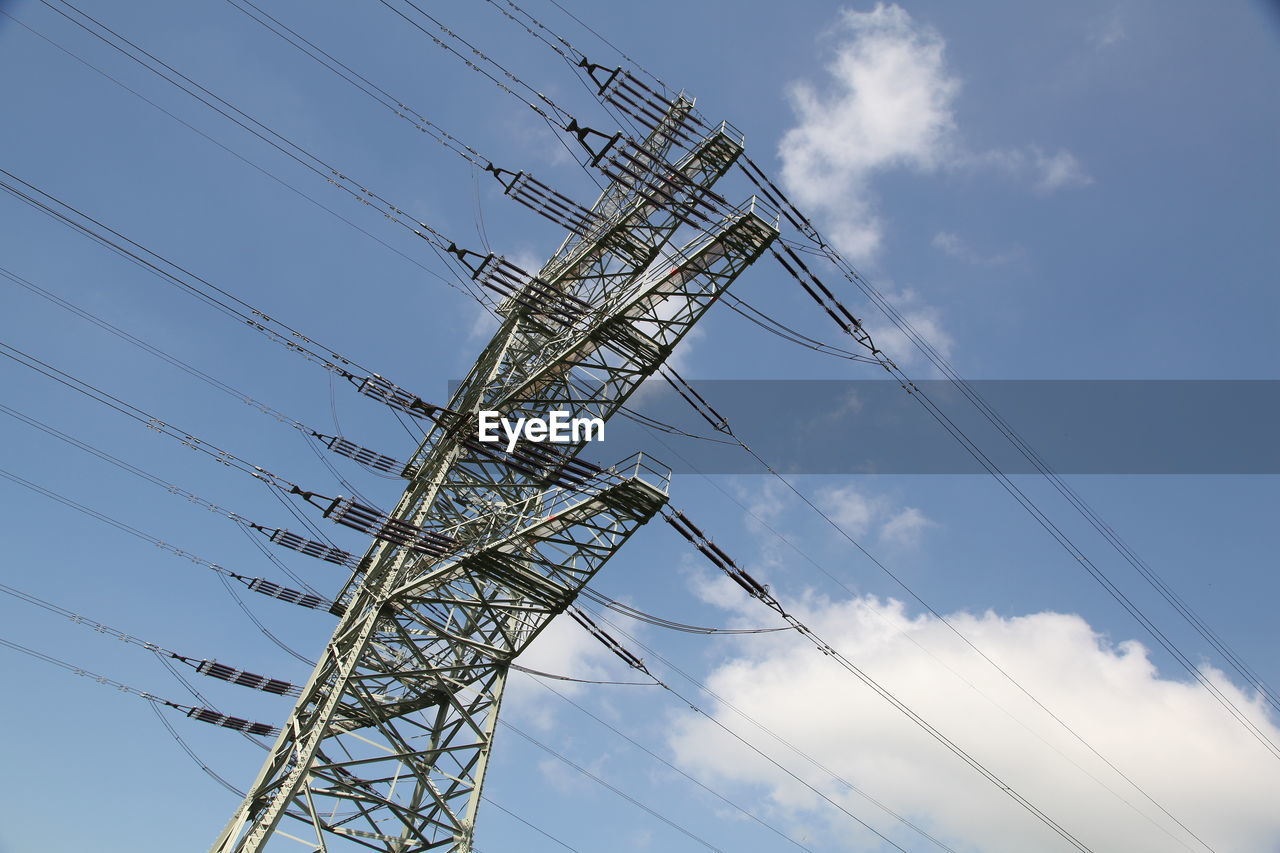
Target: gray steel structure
{"x": 388, "y": 744}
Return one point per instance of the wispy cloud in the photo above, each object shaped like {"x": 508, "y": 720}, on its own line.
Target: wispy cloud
{"x": 1109, "y": 31}
{"x": 906, "y": 527}
{"x": 954, "y": 246}
{"x": 862, "y": 513}
{"x": 1045, "y": 171}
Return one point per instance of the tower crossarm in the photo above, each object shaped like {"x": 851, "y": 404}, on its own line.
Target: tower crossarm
{"x": 648, "y": 317}
{"x": 634, "y": 226}
{"x": 638, "y": 212}
{"x": 595, "y": 372}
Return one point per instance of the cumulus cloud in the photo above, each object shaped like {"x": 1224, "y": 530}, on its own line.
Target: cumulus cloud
{"x": 888, "y": 104}
{"x": 1170, "y": 737}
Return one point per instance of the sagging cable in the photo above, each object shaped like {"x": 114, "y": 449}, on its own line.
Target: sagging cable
{"x": 659, "y": 622}
{"x": 609, "y": 642}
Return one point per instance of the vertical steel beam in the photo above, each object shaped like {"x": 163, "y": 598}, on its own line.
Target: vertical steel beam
{"x": 389, "y": 742}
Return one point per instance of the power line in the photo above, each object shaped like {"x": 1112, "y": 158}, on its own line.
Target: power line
{"x": 562, "y": 118}
{"x": 301, "y": 155}
{"x": 544, "y": 833}
{"x": 666, "y": 89}
{"x": 340, "y": 510}
{"x": 1031, "y": 455}
{"x": 164, "y": 356}
{"x": 537, "y": 673}
{"x": 369, "y": 385}
{"x": 639, "y": 665}
{"x": 687, "y": 777}
{"x": 206, "y": 667}
{"x": 204, "y": 291}
{"x": 336, "y": 444}
{"x": 658, "y": 621}
{"x": 274, "y": 177}
{"x": 773, "y": 531}
{"x": 852, "y": 326}
{"x": 152, "y": 422}
{"x": 185, "y": 747}
{"x": 362, "y": 83}
{"x": 758, "y": 591}
{"x": 204, "y": 715}
{"x": 310, "y": 600}
{"x": 847, "y": 321}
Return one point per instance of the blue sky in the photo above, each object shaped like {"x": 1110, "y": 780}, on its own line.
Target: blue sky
{"x": 1081, "y": 191}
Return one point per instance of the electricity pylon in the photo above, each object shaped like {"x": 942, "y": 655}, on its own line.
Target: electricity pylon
{"x": 387, "y": 747}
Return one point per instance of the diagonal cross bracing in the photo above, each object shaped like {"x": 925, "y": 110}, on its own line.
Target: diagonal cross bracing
{"x": 388, "y": 744}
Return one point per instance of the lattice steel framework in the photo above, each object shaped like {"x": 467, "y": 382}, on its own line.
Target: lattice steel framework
{"x": 387, "y": 747}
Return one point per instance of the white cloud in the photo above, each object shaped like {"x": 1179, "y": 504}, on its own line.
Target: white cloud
{"x": 681, "y": 358}
{"x": 862, "y": 514}
{"x": 888, "y": 104}
{"x": 1169, "y": 737}
{"x": 765, "y": 504}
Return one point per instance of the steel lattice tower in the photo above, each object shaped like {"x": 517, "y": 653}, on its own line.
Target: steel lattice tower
{"x": 388, "y": 744}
